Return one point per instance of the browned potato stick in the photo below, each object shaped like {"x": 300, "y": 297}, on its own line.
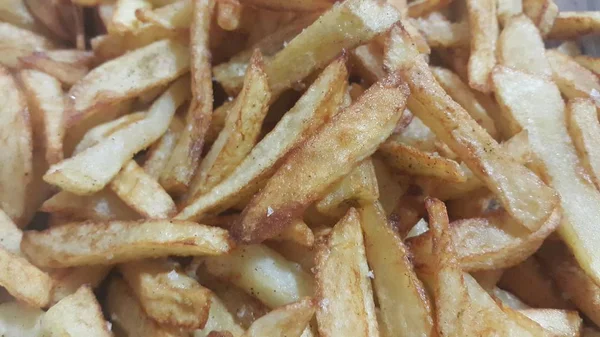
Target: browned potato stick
{"x": 484, "y": 34}
{"x": 240, "y": 132}
{"x": 543, "y": 13}
{"x": 590, "y": 63}
{"x": 299, "y": 6}
{"x": 469, "y": 141}
{"x": 86, "y": 243}
{"x": 184, "y": 158}
{"x": 46, "y": 107}
{"x": 229, "y": 14}
{"x": 346, "y": 306}
{"x": 584, "y": 129}
{"x": 572, "y": 79}
{"x": 220, "y": 319}
{"x": 419, "y": 8}
{"x": 318, "y": 104}
{"x": 23, "y": 280}
{"x": 101, "y": 206}
{"x": 124, "y": 18}
{"x": 67, "y": 281}
{"x": 287, "y": 321}
{"x": 68, "y": 66}
{"x": 20, "y": 319}
{"x": 78, "y": 314}
{"x": 569, "y": 25}
{"x": 127, "y": 315}
{"x": 166, "y": 294}
{"x": 351, "y": 136}
{"x": 509, "y": 8}
{"x": 571, "y": 278}
{"x": 78, "y": 175}
{"x": 557, "y": 322}
{"x": 16, "y": 42}
{"x": 263, "y": 273}
{"x": 405, "y": 308}
{"x": 16, "y": 13}
{"x": 125, "y": 77}
{"x": 538, "y": 107}
{"x": 411, "y": 160}
{"x": 158, "y": 154}
{"x": 440, "y": 32}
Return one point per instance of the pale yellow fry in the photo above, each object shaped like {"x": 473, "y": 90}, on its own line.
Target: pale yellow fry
{"x": 585, "y": 132}
{"x": 297, "y": 6}
{"x": 591, "y": 63}
{"x": 240, "y": 132}
{"x": 569, "y": 25}
{"x": 16, "y": 171}
{"x": 78, "y": 314}
{"x": 557, "y": 322}
{"x": 16, "y": 13}
{"x": 219, "y": 319}
{"x": 346, "y": 306}
{"x": 317, "y": 105}
{"x": 483, "y": 24}
{"x": 185, "y": 156}
{"x": 124, "y": 18}
{"x": 23, "y": 280}
{"x": 405, "y": 308}
{"x": 158, "y": 154}
{"x": 92, "y": 169}
{"x": 142, "y": 192}
{"x": 542, "y": 12}
{"x": 10, "y": 235}
{"x": 127, "y": 315}
{"x": 20, "y": 319}
{"x": 570, "y": 48}
{"x": 572, "y": 79}
{"x": 77, "y": 244}
{"x": 68, "y": 65}
{"x": 100, "y": 132}
{"x": 287, "y": 321}
{"x": 520, "y": 191}
{"x": 352, "y": 135}
{"x": 508, "y": 9}
{"x": 229, "y": 14}
{"x": 440, "y": 32}
{"x": 263, "y": 273}
{"x": 462, "y": 94}
{"x": 16, "y": 42}
{"x": 423, "y": 7}
{"x": 536, "y": 104}
{"x": 46, "y": 105}
{"x": 520, "y": 46}
{"x": 126, "y": 77}
{"x": 67, "y": 281}
{"x": 166, "y": 294}
{"x": 101, "y": 206}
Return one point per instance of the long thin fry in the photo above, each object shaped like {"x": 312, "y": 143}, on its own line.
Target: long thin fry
{"x": 484, "y": 33}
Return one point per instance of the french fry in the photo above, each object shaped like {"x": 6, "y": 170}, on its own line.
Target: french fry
{"x": 124, "y": 18}
{"x": 508, "y": 9}
{"x": 75, "y": 315}
{"x": 229, "y": 14}
{"x": 119, "y": 241}
{"x": 126, "y": 313}
{"x": 344, "y": 291}
{"x": 17, "y": 42}
{"x": 68, "y": 281}
{"x": 440, "y": 32}
{"x": 570, "y": 48}
{"x": 23, "y": 280}
{"x": 317, "y": 105}
{"x": 569, "y": 25}
{"x": 572, "y": 79}
{"x": 100, "y": 132}
{"x": 46, "y": 105}
{"x": 263, "y": 273}
{"x": 184, "y": 158}
{"x": 346, "y": 140}
{"x": 540, "y": 109}
{"x": 508, "y": 299}
{"x": 16, "y": 13}
{"x": 584, "y": 129}
{"x": 287, "y": 321}
{"x": 240, "y": 132}
{"x": 590, "y": 63}
{"x": 543, "y": 13}
{"x": 101, "y": 206}
{"x": 77, "y": 175}
{"x": 11, "y": 235}
{"x": 159, "y": 152}
{"x": 484, "y": 34}
{"x": 405, "y": 308}
{"x": 295, "y": 252}
{"x": 557, "y": 322}
{"x": 219, "y": 319}
{"x": 68, "y": 65}
{"x": 125, "y": 77}
{"x": 19, "y": 319}
{"x": 478, "y": 150}
{"x": 419, "y": 8}
{"x": 367, "y": 61}
{"x": 299, "y": 6}
{"x": 166, "y": 294}
{"x": 390, "y": 188}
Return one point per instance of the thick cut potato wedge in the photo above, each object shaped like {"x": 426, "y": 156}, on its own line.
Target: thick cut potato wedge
{"x": 94, "y": 168}
{"x": 405, "y": 308}
{"x": 508, "y": 9}
{"x": 543, "y": 13}
{"x": 158, "y": 154}
{"x": 229, "y": 14}
{"x": 557, "y": 322}
{"x": 87, "y": 243}
{"x": 570, "y": 25}
{"x": 23, "y": 280}
{"x": 519, "y": 190}
{"x": 287, "y": 321}
{"x": 346, "y": 306}
{"x": 19, "y": 319}
{"x": 67, "y": 65}
{"x": 484, "y": 34}
{"x": 101, "y": 206}
{"x": 536, "y": 104}
{"x": 78, "y": 314}
{"x": 585, "y": 132}
{"x": 572, "y": 79}
{"x": 351, "y": 136}
{"x": 68, "y": 281}
{"x": 17, "y": 42}
{"x": 166, "y": 294}
{"x": 321, "y": 101}
{"x": 126, "y": 77}
{"x": 441, "y": 33}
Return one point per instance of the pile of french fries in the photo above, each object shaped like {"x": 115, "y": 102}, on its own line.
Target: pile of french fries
{"x": 246, "y": 168}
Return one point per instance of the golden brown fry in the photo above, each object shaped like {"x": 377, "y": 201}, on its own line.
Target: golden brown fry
{"x": 405, "y": 308}
{"x": 316, "y": 106}
{"x": 23, "y": 280}
{"x": 78, "y": 175}
{"x": 584, "y": 129}
{"x": 469, "y": 141}
{"x": 124, "y": 18}
{"x": 295, "y": 252}
{"x": 229, "y": 14}
{"x": 125, "y": 77}
{"x": 287, "y": 321}
{"x": 297, "y": 6}
{"x": 440, "y": 32}
{"x": 68, "y": 65}
{"x": 158, "y": 154}
{"x": 240, "y": 132}
{"x": 423, "y": 7}
{"x": 570, "y": 25}
{"x": 77, "y": 244}
{"x": 100, "y": 132}
{"x": 344, "y": 291}
{"x": 557, "y": 322}
{"x": 78, "y": 314}
{"x": 542, "y": 12}
{"x": 67, "y": 281}
{"x": 391, "y": 187}
{"x": 367, "y": 61}
{"x": 166, "y": 294}
{"x": 101, "y": 206}
{"x": 484, "y": 34}
{"x": 16, "y": 42}
{"x": 10, "y": 235}
{"x": 572, "y": 79}
{"x": 219, "y": 318}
